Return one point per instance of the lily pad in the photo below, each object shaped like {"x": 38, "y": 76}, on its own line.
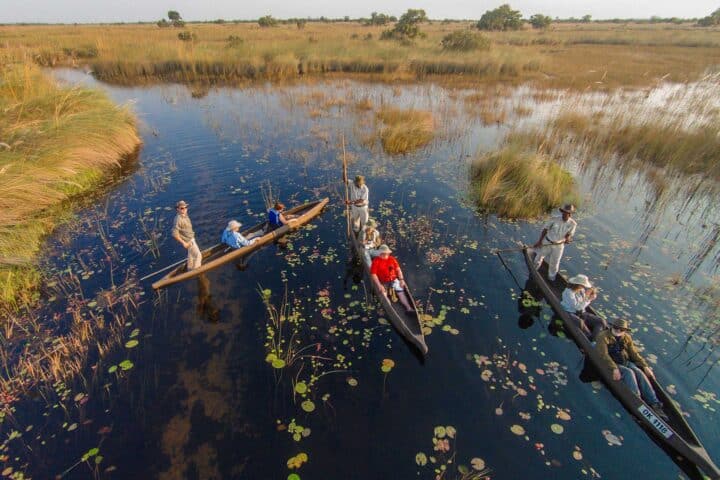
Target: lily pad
{"x": 557, "y": 428}
{"x": 517, "y": 430}
{"x": 421, "y": 459}
{"x": 308, "y": 406}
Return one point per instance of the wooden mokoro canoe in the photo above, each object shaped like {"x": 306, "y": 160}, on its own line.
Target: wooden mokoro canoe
{"x": 221, "y": 254}
{"x": 675, "y": 434}
{"x": 407, "y": 324}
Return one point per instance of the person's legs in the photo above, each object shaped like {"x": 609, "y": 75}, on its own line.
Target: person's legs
{"x": 539, "y": 256}
{"x": 194, "y": 256}
{"x": 556, "y": 252}
{"x": 646, "y": 389}
{"x": 628, "y": 377}
{"x": 580, "y": 323}
{"x": 594, "y": 323}
{"x": 402, "y": 296}
{"x": 366, "y": 256}
{"x": 355, "y": 218}
{"x": 363, "y": 215}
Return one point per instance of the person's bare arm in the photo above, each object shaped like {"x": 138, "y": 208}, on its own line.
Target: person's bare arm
{"x": 538, "y": 244}
{"x": 379, "y": 285}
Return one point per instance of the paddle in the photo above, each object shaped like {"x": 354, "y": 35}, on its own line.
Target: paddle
{"x": 518, "y": 249}
{"x": 162, "y": 270}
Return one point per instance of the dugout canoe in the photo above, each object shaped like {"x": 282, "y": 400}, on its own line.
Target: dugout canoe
{"x": 674, "y": 435}
{"x": 221, "y": 254}
{"x": 407, "y": 324}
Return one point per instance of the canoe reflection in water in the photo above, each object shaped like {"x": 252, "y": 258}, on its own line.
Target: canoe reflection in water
{"x": 205, "y": 307}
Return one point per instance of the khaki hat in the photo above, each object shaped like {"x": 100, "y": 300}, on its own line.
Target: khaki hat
{"x": 371, "y": 223}
{"x": 384, "y": 249}
{"x": 181, "y": 203}
{"x": 621, "y": 324}
{"x": 234, "y": 224}
{"x": 360, "y": 179}
{"x": 580, "y": 280}
{"x": 568, "y": 208}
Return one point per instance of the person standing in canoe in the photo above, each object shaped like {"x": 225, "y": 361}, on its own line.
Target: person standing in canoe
{"x": 232, "y": 237}
{"x": 276, "y": 217}
{"x": 575, "y": 299}
{"x": 182, "y": 231}
{"x": 386, "y": 273}
{"x": 557, "y": 233}
{"x": 618, "y": 354}
{"x": 370, "y": 239}
{"x": 359, "y": 202}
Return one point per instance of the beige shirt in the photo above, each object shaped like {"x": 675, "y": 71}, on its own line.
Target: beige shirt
{"x": 182, "y": 226}
{"x": 359, "y": 193}
{"x": 557, "y": 229}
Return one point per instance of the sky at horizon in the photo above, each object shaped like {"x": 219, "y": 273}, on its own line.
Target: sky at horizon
{"x": 94, "y": 11}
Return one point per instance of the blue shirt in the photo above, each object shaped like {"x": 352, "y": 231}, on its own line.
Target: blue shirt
{"x": 274, "y": 218}
{"x": 234, "y": 239}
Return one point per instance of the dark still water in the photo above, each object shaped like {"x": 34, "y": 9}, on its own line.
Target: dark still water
{"x": 497, "y": 394}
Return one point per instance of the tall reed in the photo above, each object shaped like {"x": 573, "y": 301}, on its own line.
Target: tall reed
{"x": 57, "y": 142}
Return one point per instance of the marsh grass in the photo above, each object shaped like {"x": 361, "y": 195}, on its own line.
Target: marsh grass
{"x": 405, "y": 131}
{"x": 573, "y": 56}
{"x": 58, "y": 143}
{"x": 515, "y": 182}
{"x": 675, "y": 129}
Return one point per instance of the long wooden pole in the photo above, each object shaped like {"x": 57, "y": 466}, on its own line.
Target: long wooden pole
{"x": 345, "y": 181}
{"x": 162, "y": 270}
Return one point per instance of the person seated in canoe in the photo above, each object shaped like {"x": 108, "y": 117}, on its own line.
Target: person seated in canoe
{"x": 232, "y": 237}
{"x": 575, "y": 299}
{"x": 276, "y": 217}
{"x": 370, "y": 240}
{"x": 618, "y": 354}
{"x": 386, "y": 273}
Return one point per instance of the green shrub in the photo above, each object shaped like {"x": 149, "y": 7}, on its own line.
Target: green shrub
{"x": 234, "y": 41}
{"x": 187, "y": 36}
{"x": 267, "y": 21}
{"x": 540, "y": 21}
{"x": 464, "y": 41}
{"x": 502, "y": 18}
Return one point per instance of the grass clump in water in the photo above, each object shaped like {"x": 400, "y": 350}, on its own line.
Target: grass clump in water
{"x": 56, "y": 143}
{"x": 405, "y": 131}
{"x": 517, "y": 183}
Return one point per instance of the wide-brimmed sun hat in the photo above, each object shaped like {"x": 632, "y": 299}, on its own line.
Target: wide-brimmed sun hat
{"x": 232, "y": 224}
{"x": 360, "y": 179}
{"x": 580, "y": 280}
{"x": 384, "y": 249}
{"x": 181, "y": 203}
{"x": 568, "y": 208}
{"x": 371, "y": 223}
{"x": 621, "y": 324}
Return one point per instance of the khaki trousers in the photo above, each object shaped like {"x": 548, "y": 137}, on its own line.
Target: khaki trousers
{"x": 194, "y": 256}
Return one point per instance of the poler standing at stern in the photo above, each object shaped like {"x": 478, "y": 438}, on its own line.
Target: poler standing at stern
{"x": 359, "y": 200}
{"x": 553, "y": 238}
{"x": 182, "y": 231}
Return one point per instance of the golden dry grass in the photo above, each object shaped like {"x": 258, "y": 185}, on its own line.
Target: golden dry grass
{"x": 57, "y": 143}
{"x": 568, "y": 55}
{"x": 405, "y": 131}
{"x": 518, "y": 183}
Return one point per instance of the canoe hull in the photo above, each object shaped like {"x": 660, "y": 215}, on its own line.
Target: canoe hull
{"x": 675, "y": 434}
{"x": 221, "y": 254}
{"x": 408, "y": 325}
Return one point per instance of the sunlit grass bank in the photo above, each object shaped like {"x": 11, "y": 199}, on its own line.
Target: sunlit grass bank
{"x": 517, "y": 183}
{"x": 56, "y": 143}
{"x": 576, "y": 56}
{"x": 405, "y": 131}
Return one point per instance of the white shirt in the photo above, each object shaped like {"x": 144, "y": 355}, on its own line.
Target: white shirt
{"x": 573, "y": 301}
{"x": 557, "y": 229}
{"x": 359, "y": 193}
